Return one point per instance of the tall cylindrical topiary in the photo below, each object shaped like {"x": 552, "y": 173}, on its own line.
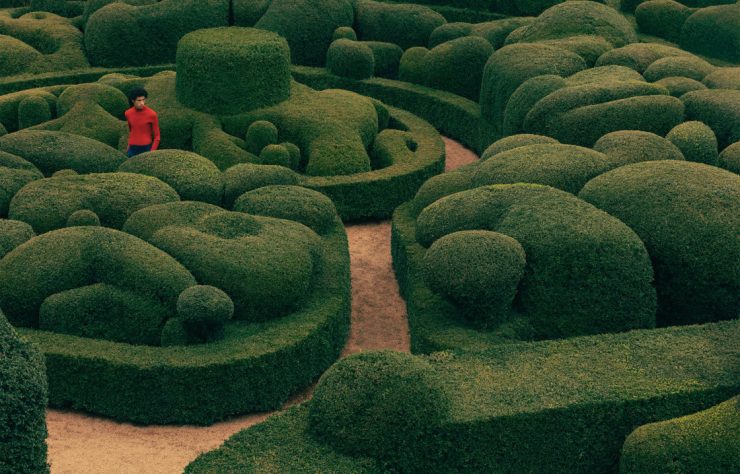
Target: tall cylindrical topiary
{"x": 231, "y": 70}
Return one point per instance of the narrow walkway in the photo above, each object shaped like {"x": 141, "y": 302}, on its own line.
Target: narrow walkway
{"x": 80, "y": 444}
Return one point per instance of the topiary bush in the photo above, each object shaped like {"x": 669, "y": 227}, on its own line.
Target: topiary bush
{"x": 240, "y": 179}
{"x": 701, "y": 442}
{"x": 696, "y": 141}
{"x": 12, "y": 234}
{"x": 714, "y": 31}
{"x": 687, "y": 215}
{"x": 717, "y": 108}
{"x": 406, "y": 25}
{"x": 351, "y": 59}
{"x": 22, "y": 404}
{"x": 232, "y": 70}
{"x": 678, "y": 86}
{"x": 723, "y": 78}
{"x": 275, "y": 155}
{"x": 663, "y": 18}
{"x": 448, "y": 32}
{"x": 202, "y": 311}
{"x": 83, "y": 217}
{"x": 729, "y": 159}
{"x": 514, "y": 141}
{"x": 387, "y": 58}
{"x": 16, "y": 56}
{"x": 194, "y": 177}
{"x": 683, "y": 66}
{"x": 15, "y": 172}
{"x": 344, "y": 32}
{"x": 639, "y": 56}
{"x": 260, "y": 133}
{"x": 633, "y": 146}
{"x": 525, "y": 97}
{"x": 33, "y": 110}
{"x": 457, "y": 66}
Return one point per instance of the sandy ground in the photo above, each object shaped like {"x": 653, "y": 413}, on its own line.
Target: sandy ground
{"x": 81, "y": 443}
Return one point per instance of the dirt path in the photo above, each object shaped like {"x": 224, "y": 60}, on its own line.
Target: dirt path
{"x": 80, "y": 444}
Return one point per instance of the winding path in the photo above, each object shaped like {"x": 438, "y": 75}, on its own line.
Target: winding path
{"x": 81, "y": 443}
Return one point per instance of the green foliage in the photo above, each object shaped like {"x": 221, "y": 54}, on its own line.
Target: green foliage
{"x": 457, "y": 66}
{"x": 717, "y": 108}
{"x": 634, "y": 146}
{"x": 683, "y": 66}
{"x": 344, "y": 32}
{"x": 478, "y": 271}
{"x": 203, "y": 311}
{"x": 248, "y": 12}
{"x": 240, "y": 179}
{"x": 381, "y": 404}
{"x": 729, "y": 159}
{"x": 679, "y": 86}
{"x": 639, "y": 56}
{"x": 524, "y": 98}
{"x": 703, "y": 442}
{"x": 194, "y": 177}
{"x": 112, "y": 100}
{"x": 387, "y": 57}
{"x": 589, "y": 47}
{"x": 54, "y": 151}
{"x": 348, "y": 58}
{"x": 688, "y": 215}
{"x": 411, "y": 66}
{"x": 696, "y": 141}
{"x": 714, "y": 31}
{"x": 121, "y": 34}
{"x": 405, "y": 24}
{"x": 16, "y": 56}
{"x": 46, "y": 204}
{"x": 275, "y": 155}
{"x": 15, "y": 172}
{"x": 12, "y": 234}
{"x": 565, "y": 241}
{"x": 260, "y": 134}
{"x": 663, "y": 18}
{"x": 295, "y": 203}
{"x": 307, "y": 25}
{"x": 723, "y": 78}
{"x": 232, "y": 70}
{"x": 33, "y": 110}
{"x": 608, "y": 73}
{"x": 448, "y": 32}
{"x": 496, "y": 31}
{"x": 83, "y": 217}
{"x": 10, "y": 104}
{"x": 514, "y": 141}
{"x": 22, "y": 404}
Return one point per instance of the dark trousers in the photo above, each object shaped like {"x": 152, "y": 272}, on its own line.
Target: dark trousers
{"x": 134, "y": 150}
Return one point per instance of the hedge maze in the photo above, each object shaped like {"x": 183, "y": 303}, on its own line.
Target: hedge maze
{"x": 572, "y": 296}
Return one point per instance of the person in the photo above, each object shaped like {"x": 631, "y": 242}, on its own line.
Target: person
{"x": 143, "y": 124}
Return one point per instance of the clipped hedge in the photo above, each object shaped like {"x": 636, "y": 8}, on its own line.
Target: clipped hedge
{"x": 714, "y": 31}
{"x": 663, "y": 18}
{"x": 405, "y": 24}
{"x": 688, "y": 215}
{"x": 696, "y": 141}
{"x": 639, "y": 56}
{"x": 348, "y": 58}
{"x": 633, "y": 146}
{"x": 681, "y": 66}
{"x": 717, "y": 108}
{"x": 240, "y": 179}
{"x": 729, "y": 159}
{"x": 15, "y": 172}
{"x": 12, "y": 234}
{"x": 23, "y": 397}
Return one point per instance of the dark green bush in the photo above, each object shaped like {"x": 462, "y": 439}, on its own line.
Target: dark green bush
{"x": 275, "y": 155}
{"x": 10, "y": 105}
{"x": 639, "y": 56}
{"x": 12, "y": 234}
{"x": 295, "y": 203}
{"x": 411, "y": 67}
{"x": 232, "y": 70}
{"x": 193, "y": 177}
{"x": 448, "y": 32}
{"x": 457, "y": 66}
{"x": 203, "y": 311}
{"x": 112, "y": 100}
{"x": 349, "y": 58}
{"x": 633, "y": 146}
{"x": 718, "y": 108}
{"x": 405, "y": 24}
{"x": 496, "y": 31}
{"x": 54, "y": 151}
{"x": 344, "y": 32}
{"x": 696, "y": 141}
{"x": 604, "y": 74}
{"x": 688, "y": 215}
{"x": 248, "y": 12}
{"x": 514, "y": 141}
{"x": 387, "y": 57}
{"x": 260, "y": 133}
{"x": 663, "y": 18}
{"x": 33, "y": 110}
{"x": 240, "y": 179}
{"x": 729, "y": 159}
{"x": 723, "y": 78}
{"x": 684, "y": 66}
{"x": 83, "y": 217}
{"x": 679, "y": 86}
{"x": 589, "y": 47}
{"x": 15, "y": 172}
{"x": 714, "y": 31}
{"x": 565, "y": 241}
{"x": 307, "y": 25}
{"x": 704, "y": 442}
{"x": 46, "y": 204}
{"x": 120, "y": 34}
{"x": 524, "y": 98}
{"x": 16, "y": 56}
{"x": 381, "y": 404}
{"x": 23, "y": 398}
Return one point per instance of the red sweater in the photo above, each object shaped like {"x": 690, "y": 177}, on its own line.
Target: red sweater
{"x": 142, "y": 125}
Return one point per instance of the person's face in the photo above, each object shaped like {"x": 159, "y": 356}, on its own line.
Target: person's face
{"x": 139, "y": 102}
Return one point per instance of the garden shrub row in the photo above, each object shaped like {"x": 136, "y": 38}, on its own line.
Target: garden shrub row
{"x": 500, "y": 404}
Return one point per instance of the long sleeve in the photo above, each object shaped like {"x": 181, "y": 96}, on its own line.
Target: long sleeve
{"x": 155, "y": 131}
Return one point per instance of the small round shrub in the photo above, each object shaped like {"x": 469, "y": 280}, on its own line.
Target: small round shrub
{"x": 295, "y": 154}
{"x": 723, "y": 78}
{"x": 232, "y": 70}
{"x": 703, "y": 442}
{"x": 387, "y": 57}
{"x": 245, "y": 177}
{"x": 663, "y": 18}
{"x": 15, "y": 173}
{"x": 381, "y": 404}
{"x": 696, "y": 141}
{"x": 729, "y": 159}
{"x": 412, "y": 65}
{"x": 612, "y": 72}
{"x": 639, "y": 56}
{"x": 679, "y": 86}
{"x": 633, "y": 146}
{"x": 524, "y": 99}
{"x": 478, "y": 270}
{"x": 248, "y": 12}
{"x": 714, "y": 31}
{"x": 589, "y": 47}
{"x": 406, "y": 25}
{"x": 33, "y": 110}
{"x": 204, "y": 310}
{"x": 717, "y": 108}
{"x": 352, "y": 59}
{"x": 23, "y": 400}
{"x": 15, "y": 56}
{"x": 112, "y": 100}
{"x": 295, "y": 203}
{"x": 344, "y": 32}
{"x": 457, "y": 66}
{"x": 260, "y": 134}
{"x": 83, "y": 217}
{"x": 688, "y": 215}
{"x": 12, "y": 234}
{"x": 275, "y": 155}
{"x": 441, "y": 185}
{"x": 515, "y": 141}
{"x": 684, "y": 66}
{"x": 448, "y": 32}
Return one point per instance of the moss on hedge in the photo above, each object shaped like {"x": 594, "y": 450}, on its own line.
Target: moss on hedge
{"x": 22, "y": 404}
{"x": 696, "y": 141}
{"x": 194, "y": 177}
{"x": 633, "y": 146}
{"x": 717, "y": 108}
{"x": 47, "y": 203}
{"x": 714, "y": 31}
{"x": 688, "y": 215}
{"x": 348, "y": 58}
{"x": 54, "y": 151}
{"x": 702, "y": 442}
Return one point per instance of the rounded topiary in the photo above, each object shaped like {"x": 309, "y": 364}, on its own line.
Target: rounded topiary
{"x": 688, "y": 215}
{"x": 679, "y": 85}
{"x": 64, "y": 172}
{"x": 294, "y": 152}
{"x": 344, "y": 32}
{"x": 515, "y": 141}
{"x": 457, "y": 66}
{"x": 174, "y": 333}
{"x": 245, "y": 177}
{"x": 33, "y": 110}
{"x": 632, "y": 146}
{"x": 729, "y": 159}
{"x": 204, "y": 310}
{"x": 723, "y": 78}
{"x": 662, "y": 18}
{"x": 349, "y": 58}
{"x": 406, "y": 25}
{"x": 696, "y": 141}
{"x": 260, "y": 134}
{"x": 112, "y": 100}
{"x": 639, "y": 56}
{"x": 387, "y": 58}
{"x": 525, "y": 97}
{"x": 275, "y": 155}
{"x": 477, "y": 270}
{"x": 232, "y": 70}
{"x": 12, "y": 234}
{"x": 15, "y": 56}
{"x": 83, "y": 217}
{"x": 448, "y": 32}
{"x": 23, "y": 399}
{"x": 703, "y": 442}
{"x": 683, "y": 66}
{"x": 719, "y": 109}
{"x": 381, "y": 404}
{"x": 411, "y": 67}
{"x": 714, "y": 31}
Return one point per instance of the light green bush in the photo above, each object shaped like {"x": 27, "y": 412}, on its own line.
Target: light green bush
{"x": 634, "y": 146}
{"x": 524, "y": 98}
{"x": 723, "y": 78}
{"x": 684, "y": 66}
{"x": 679, "y": 86}
{"x": 696, "y": 141}
{"x": 15, "y": 55}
